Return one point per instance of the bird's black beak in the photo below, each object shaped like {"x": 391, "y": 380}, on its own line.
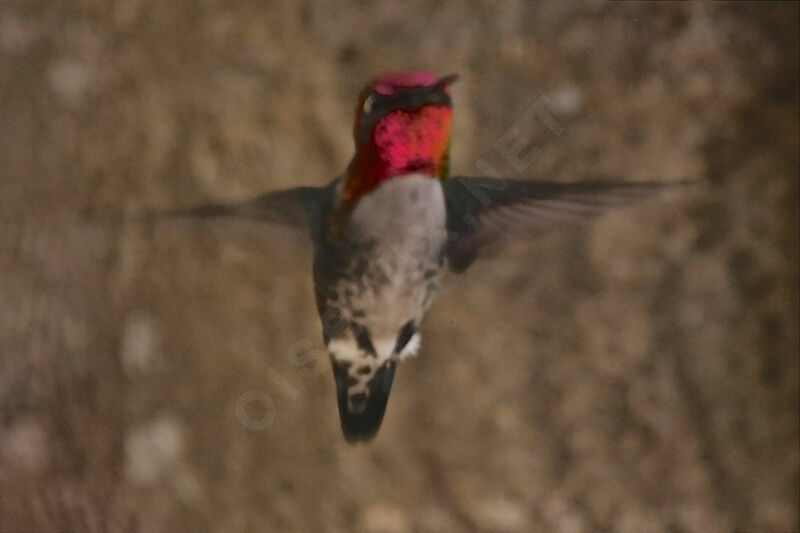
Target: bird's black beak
{"x": 446, "y": 81}
{"x": 432, "y": 94}
{"x": 361, "y": 412}
{"x": 436, "y": 93}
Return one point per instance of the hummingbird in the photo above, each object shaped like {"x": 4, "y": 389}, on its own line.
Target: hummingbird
{"x": 386, "y": 229}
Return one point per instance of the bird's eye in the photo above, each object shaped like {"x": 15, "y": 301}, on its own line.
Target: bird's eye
{"x": 368, "y": 101}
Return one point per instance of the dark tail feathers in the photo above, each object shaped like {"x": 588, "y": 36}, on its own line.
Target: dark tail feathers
{"x": 364, "y": 425}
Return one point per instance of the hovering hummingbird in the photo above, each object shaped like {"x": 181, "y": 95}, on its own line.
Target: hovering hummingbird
{"x": 383, "y": 231}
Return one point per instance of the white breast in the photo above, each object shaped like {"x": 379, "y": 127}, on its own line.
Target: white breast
{"x": 401, "y": 211}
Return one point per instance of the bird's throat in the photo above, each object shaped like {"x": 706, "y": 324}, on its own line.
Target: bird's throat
{"x": 402, "y": 143}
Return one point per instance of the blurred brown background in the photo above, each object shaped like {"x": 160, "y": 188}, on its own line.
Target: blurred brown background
{"x": 638, "y": 376}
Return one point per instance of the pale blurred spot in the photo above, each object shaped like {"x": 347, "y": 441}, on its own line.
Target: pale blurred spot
{"x": 153, "y": 450}
{"x": 383, "y": 518}
{"x": 566, "y": 100}
{"x": 500, "y": 514}
{"x": 71, "y": 80}
{"x": 139, "y": 344}
{"x": 24, "y": 445}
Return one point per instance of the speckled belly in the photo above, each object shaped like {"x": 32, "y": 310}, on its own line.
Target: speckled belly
{"x": 390, "y": 255}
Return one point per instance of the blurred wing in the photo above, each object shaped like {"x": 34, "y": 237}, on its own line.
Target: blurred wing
{"x": 481, "y": 211}
{"x": 292, "y": 207}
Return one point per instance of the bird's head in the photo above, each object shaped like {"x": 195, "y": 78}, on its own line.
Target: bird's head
{"x": 402, "y": 126}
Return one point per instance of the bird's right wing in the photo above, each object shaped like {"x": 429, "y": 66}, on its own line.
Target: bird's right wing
{"x": 297, "y": 207}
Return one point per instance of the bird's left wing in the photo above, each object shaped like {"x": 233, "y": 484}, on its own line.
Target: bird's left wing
{"x": 481, "y": 211}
